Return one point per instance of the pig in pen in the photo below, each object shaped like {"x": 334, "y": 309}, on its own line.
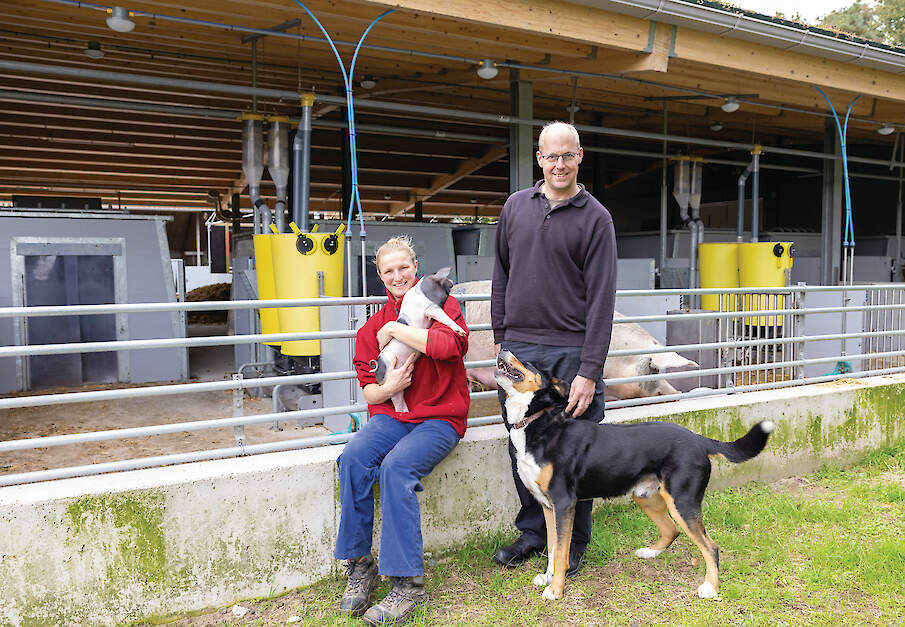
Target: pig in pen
{"x": 625, "y": 336}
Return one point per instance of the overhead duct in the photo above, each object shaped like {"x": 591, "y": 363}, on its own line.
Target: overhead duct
{"x": 682, "y": 192}
{"x": 278, "y": 166}
{"x": 253, "y": 167}
{"x": 696, "y": 224}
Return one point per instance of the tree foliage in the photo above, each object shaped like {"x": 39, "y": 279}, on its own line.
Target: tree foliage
{"x": 883, "y": 20}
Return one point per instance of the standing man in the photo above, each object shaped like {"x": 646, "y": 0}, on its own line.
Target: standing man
{"x": 554, "y": 290}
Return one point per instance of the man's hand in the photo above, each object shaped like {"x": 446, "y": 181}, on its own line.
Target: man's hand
{"x": 581, "y": 393}
{"x": 400, "y": 378}
{"x": 385, "y": 334}
{"x": 496, "y": 350}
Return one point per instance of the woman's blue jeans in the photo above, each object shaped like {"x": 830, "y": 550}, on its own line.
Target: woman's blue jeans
{"x": 400, "y": 454}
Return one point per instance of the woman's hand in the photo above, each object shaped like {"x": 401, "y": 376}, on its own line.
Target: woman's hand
{"x": 385, "y": 334}
{"x": 398, "y": 379}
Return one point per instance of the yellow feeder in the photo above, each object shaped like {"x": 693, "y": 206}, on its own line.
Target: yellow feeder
{"x": 270, "y": 322}
{"x": 764, "y": 264}
{"x": 297, "y": 259}
{"x": 719, "y": 268}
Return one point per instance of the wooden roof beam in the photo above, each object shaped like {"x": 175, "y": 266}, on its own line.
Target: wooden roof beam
{"x": 442, "y": 182}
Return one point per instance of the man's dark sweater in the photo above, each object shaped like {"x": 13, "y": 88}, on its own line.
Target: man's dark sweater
{"x": 554, "y": 279}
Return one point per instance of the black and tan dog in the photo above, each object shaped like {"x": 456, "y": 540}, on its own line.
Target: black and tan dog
{"x": 666, "y": 468}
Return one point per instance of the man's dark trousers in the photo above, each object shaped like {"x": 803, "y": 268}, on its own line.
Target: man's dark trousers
{"x": 561, "y": 362}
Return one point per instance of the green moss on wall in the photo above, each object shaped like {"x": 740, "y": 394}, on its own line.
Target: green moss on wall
{"x": 137, "y": 548}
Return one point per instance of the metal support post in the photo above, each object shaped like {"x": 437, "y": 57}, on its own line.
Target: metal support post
{"x": 521, "y": 136}
{"x": 831, "y": 223}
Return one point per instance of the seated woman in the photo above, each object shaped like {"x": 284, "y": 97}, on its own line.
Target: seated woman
{"x": 399, "y": 448}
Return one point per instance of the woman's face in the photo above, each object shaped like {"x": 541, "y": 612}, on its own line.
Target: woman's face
{"x": 397, "y": 270}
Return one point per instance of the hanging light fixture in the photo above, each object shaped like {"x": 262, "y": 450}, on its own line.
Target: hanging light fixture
{"x": 886, "y": 129}
{"x": 716, "y": 126}
{"x": 93, "y": 50}
{"x": 487, "y": 69}
{"x": 368, "y": 82}
{"x": 120, "y": 20}
{"x": 730, "y": 105}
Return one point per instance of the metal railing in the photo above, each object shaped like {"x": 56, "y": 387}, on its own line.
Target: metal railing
{"x": 758, "y": 343}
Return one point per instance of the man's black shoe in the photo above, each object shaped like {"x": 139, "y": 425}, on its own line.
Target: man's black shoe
{"x": 516, "y": 553}
{"x": 576, "y": 561}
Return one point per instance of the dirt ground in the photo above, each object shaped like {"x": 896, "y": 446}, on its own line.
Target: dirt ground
{"x": 206, "y": 364}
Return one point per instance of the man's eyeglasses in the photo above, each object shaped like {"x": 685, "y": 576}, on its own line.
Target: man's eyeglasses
{"x": 567, "y": 157}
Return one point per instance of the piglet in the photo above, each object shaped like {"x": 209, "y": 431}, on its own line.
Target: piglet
{"x": 420, "y": 306}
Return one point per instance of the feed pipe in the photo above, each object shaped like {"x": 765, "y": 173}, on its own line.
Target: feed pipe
{"x": 740, "y": 219}
{"x": 301, "y": 165}
{"x": 278, "y": 166}
{"x": 253, "y": 167}
{"x": 493, "y": 118}
{"x": 755, "y": 193}
{"x": 833, "y": 47}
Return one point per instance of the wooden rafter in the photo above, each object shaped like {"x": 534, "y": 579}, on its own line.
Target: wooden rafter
{"x": 442, "y": 182}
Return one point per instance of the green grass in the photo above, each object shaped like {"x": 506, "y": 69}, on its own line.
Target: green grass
{"x": 825, "y": 550}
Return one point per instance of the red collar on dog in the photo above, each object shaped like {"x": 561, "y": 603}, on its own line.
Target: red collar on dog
{"x": 521, "y": 424}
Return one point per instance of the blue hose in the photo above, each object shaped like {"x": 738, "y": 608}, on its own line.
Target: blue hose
{"x": 355, "y": 200}
{"x": 848, "y": 238}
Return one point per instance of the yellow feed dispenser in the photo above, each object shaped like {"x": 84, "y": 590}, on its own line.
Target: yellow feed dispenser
{"x": 297, "y": 259}
{"x": 718, "y": 264}
{"x": 270, "y": 322}
{"x": 764, "y": 264}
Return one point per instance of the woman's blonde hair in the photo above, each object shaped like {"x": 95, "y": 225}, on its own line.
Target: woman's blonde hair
{"x": 399, "y": 242}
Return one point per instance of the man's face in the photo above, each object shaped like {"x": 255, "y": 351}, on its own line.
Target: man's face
{"x": 559, "y": 175}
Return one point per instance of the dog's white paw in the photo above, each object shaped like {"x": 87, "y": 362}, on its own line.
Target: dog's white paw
{"x": 548, "y": 594}
{"x": 646, "y": 553}
{"x": 542, "y": 579}
{"x": 706, "y": 591}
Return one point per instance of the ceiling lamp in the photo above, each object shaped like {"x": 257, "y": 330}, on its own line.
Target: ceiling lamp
{"x": 93, "y": 50}
{"x": 368, "y": 82}
{"x": 730, "y": 105}
{"x": 120, "y": 20}
{"x": 886, "y": 129}
{"x": 716, "y": 126}
{"x": 487, "y": 69}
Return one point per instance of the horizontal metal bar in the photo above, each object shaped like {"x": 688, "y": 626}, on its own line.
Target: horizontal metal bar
{"x": 750, "y": 368}
{"x": 166, "y": 390}
{"x": 329, "y": 301}
{"x": 676, "y": 348}
{"x": 176, "y": 427}
{"x": 211, "y": 305}
{"x": 755, "y": 313}
{"x": 181, "y": 458}
{"x": 754, "y": 387}
{"x": 180, "y": 342}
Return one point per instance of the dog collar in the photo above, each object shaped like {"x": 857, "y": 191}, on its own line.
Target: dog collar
{"x": 521, "y": 424}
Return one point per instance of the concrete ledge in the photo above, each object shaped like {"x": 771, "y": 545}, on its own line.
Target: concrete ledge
{"x": 103, "y": 550}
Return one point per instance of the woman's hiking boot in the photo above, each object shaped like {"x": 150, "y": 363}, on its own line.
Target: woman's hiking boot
{"x": 363, "y": 579}
{"x": 406, "y": 595}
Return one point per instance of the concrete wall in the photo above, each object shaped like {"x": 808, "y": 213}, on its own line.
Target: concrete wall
{"x": 120, "y": 547}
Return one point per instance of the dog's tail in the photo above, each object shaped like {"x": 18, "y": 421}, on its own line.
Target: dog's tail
{"x": 746, "y": 447}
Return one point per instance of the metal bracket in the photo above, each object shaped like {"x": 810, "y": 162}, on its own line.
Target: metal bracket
{"x": 239, "y": 410}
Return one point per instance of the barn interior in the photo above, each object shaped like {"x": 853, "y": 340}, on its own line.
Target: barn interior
{"x": 139, "y": 114}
